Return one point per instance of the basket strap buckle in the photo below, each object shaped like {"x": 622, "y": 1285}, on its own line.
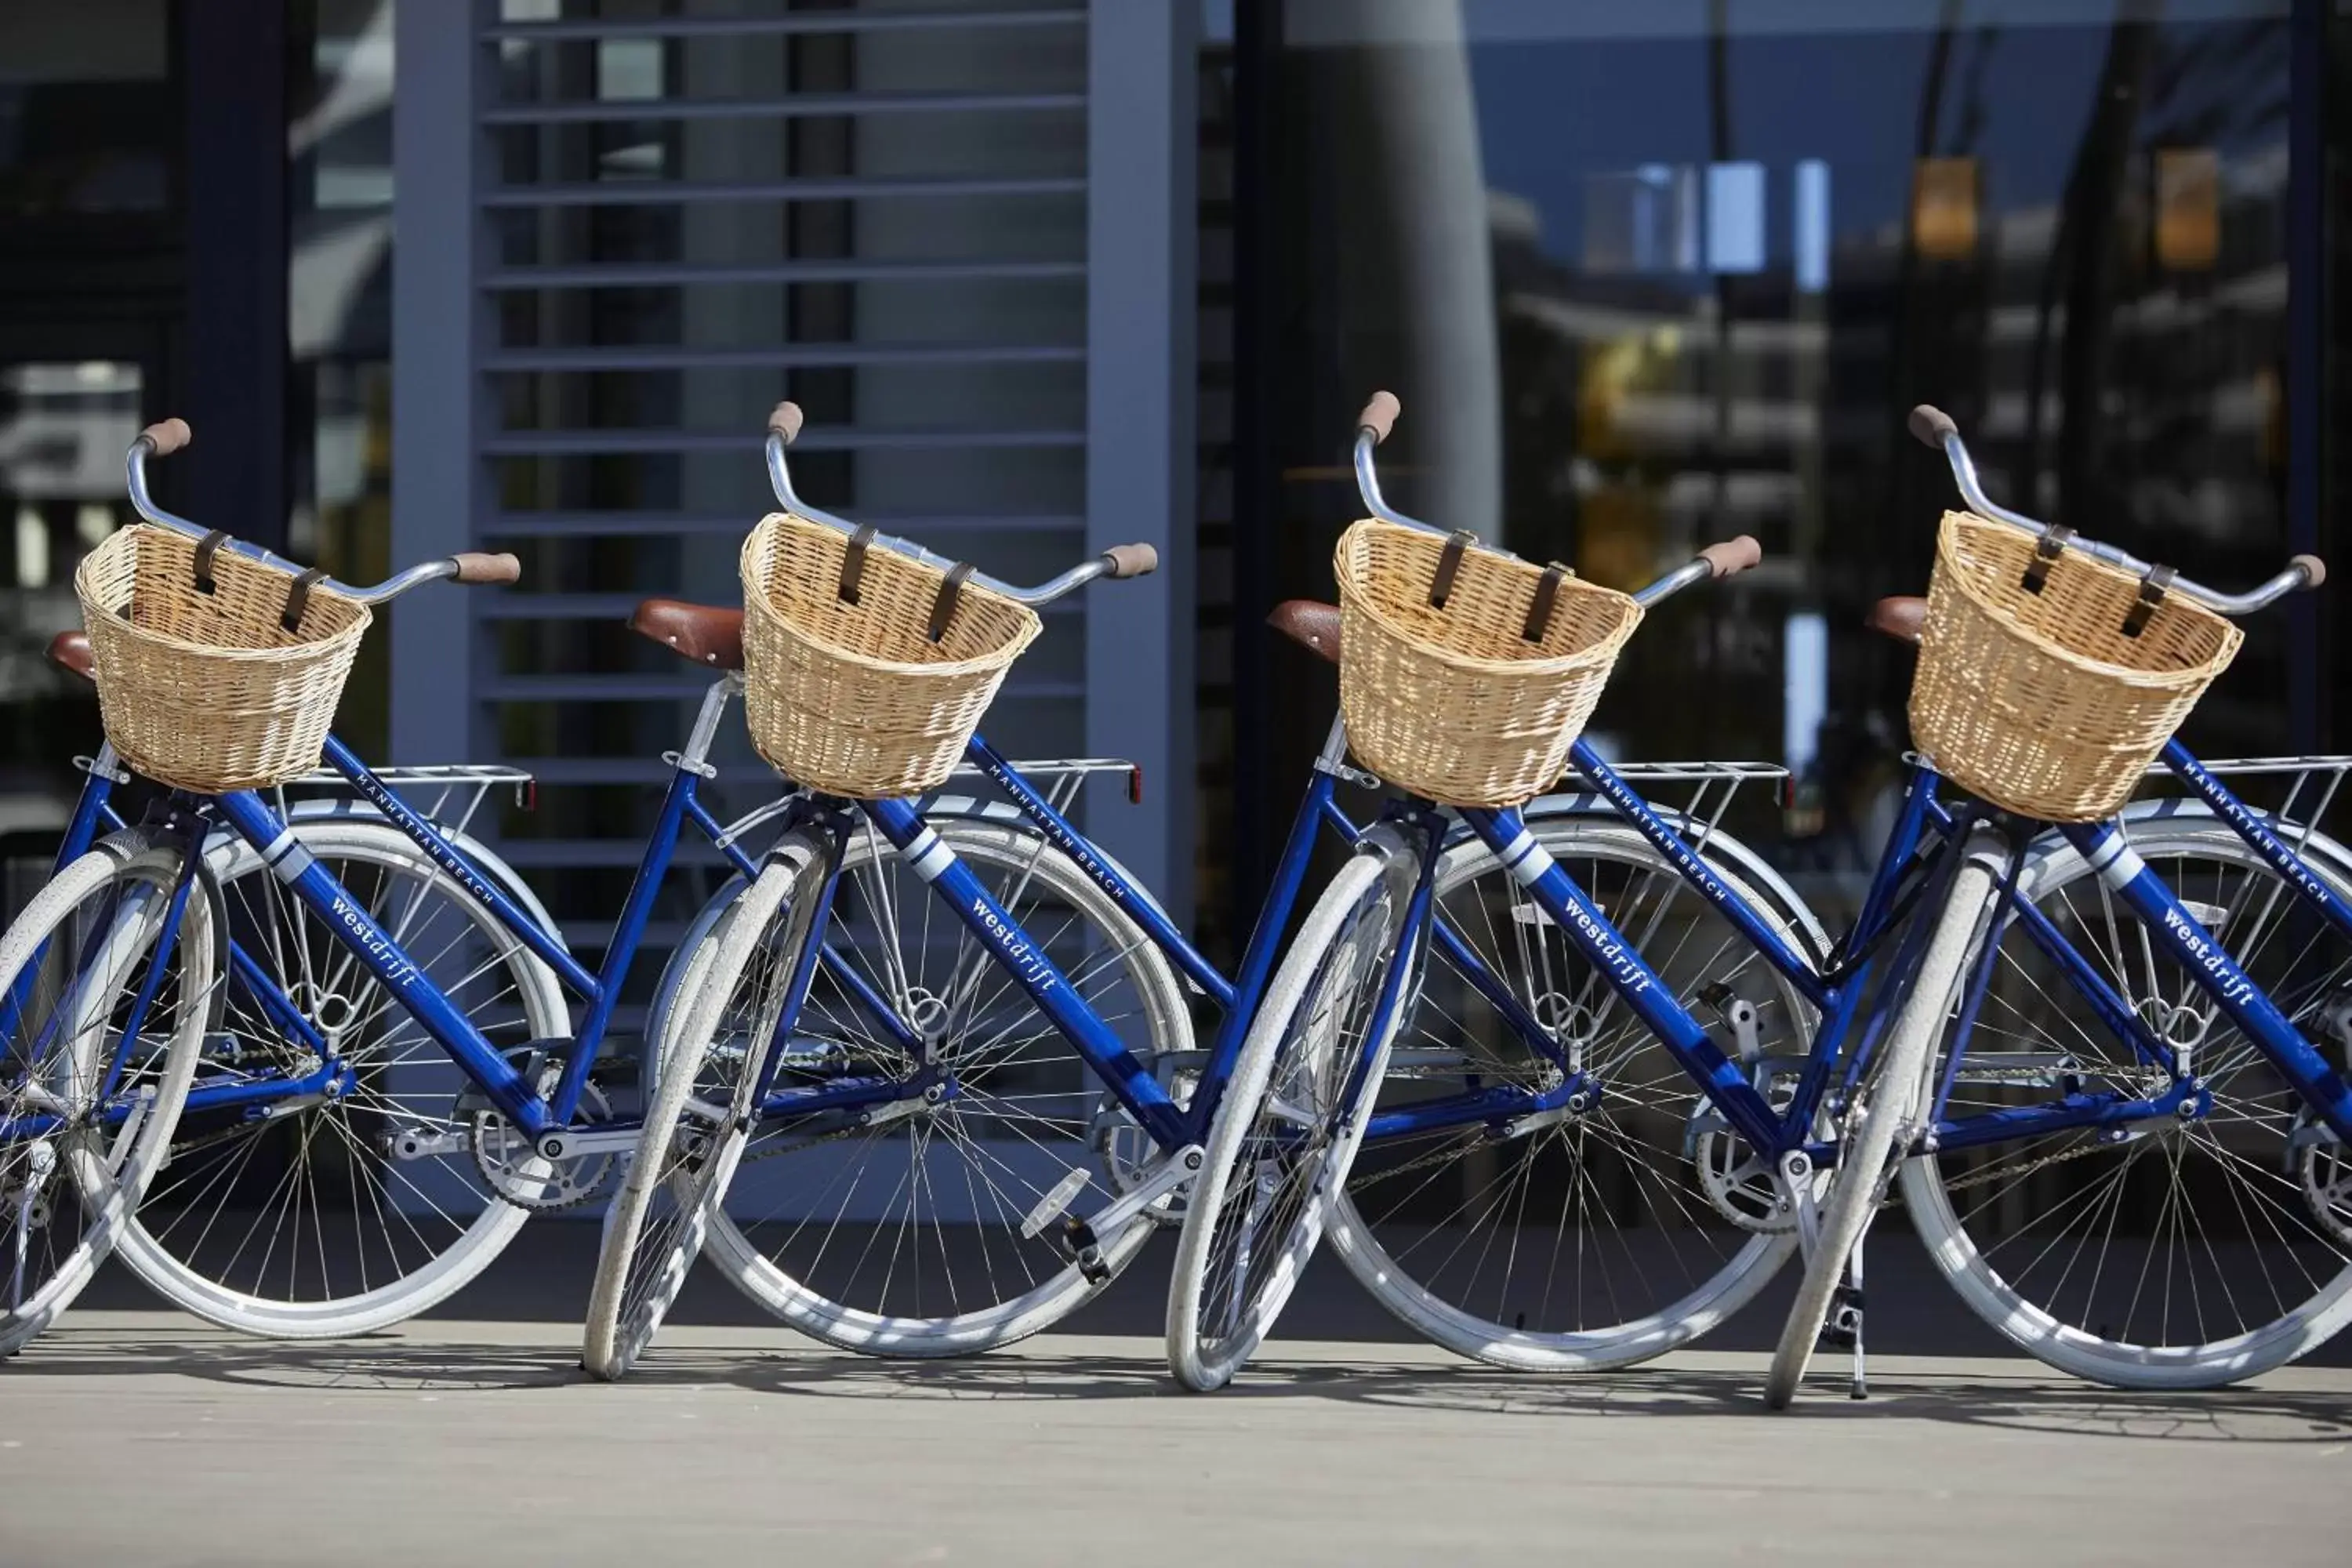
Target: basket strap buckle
{"x": 207, "y": 548}
{"x": 1546, "y": 595}
{"x": 2151, "y": 594}
{"x": 298, "y": 598}
{"x": 1449, "y": 562}
{"x": 853, "y": 562}
{"x": 943, "y": 609}
{"x": 2046, "y": 549}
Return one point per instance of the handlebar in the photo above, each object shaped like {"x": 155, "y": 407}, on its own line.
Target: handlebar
{"x": 1120, "y": 561}
{"x": 166, "y": 436}
{"x": 1379, "y": 418}
{"x": 1933, "y": 427}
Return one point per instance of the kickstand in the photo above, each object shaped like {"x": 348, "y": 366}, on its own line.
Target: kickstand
{"x": 1843, "y": 1329}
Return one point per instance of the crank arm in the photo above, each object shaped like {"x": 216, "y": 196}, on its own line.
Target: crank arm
{"x": 1171, "y": 1174}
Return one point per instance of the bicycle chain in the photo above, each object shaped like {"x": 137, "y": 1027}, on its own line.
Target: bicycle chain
{"x": 1437, "y": 1156}
{"x": 1998, "y": 1171}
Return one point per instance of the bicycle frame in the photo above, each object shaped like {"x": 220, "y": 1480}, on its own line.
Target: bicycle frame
{"x": 1836, "y": 988}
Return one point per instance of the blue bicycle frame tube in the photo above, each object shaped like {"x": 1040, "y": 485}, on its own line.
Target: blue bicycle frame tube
{"x": 1894, "y": 859}
{"x": 803, "y": 966}
{"x": 270, "y": 995}
{"x": 1606, "y": 949}
{"x": 1073, "y": 844}
{"x": 1239, "y": 997}
{"x": 1734, "y": 908}
{"x": 621, "y": 949}
{"x": 1010, "y": 948}
{"x": 1504, "y": 1102}
{"x": 151, "y": 982}
{"x": 2216, "y": 972}
{"x": 2257, "y": 834}
{"x": 321, "y": 1079}
{"x": 438, "y": 850}
{"x": 1407, "y": 952}
{"x": 1258, "y": 957}
{"x": 699, "y": 815}
{"x": 90, "y": 809}
{"x": 1980, "y": 979}
{"x": 2088, "y": 984}
{"x": 291, "y": 863}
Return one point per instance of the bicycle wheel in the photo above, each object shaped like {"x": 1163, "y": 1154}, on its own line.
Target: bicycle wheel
{"x": 2192, "y": 1251}
{"x": 1282, "y": 1141}
{"x": 696, "y": 1126}
{"x": 1878, "y": 1114}
{"x": 929, "y": 1225}
{"x": 71, "y": 968}
{"x": 1599, "y": 1234}
{"x": 318, "y": 1212}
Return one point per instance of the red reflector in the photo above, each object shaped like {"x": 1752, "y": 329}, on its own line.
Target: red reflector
{"x": 1134, "y": 784}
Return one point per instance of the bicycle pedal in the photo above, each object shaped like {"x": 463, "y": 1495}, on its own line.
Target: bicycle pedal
{"x": 1074, "y": 1240}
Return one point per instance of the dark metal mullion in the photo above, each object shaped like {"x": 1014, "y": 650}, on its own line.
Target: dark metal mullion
{"x": 233, "y": 62}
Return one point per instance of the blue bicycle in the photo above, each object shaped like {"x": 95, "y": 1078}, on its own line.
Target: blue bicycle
{"x": 2141, "y": 1182}
{"x": 1705, "y": 1052}
{"x": 327, "y": 1129}
{"x": 968, "y": 1160}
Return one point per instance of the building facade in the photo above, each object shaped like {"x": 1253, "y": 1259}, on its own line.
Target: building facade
{"x": 1051, "y": 275}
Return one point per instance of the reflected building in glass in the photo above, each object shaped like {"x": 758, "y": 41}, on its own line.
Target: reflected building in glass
{"x": 527, "y": 274}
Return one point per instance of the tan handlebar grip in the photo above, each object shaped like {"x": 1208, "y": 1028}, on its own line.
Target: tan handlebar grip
{"x": 1132, "y": 559}
{"x": 474, "y": 566}
{"x": 1929, "y": 426}
{"x": 1380, "y": 415}
{"x": 166, "y": 436}
{"x": 1732, "y": 556}
{"x": 786, "y": 421}
{"x": 2315, "y": 570}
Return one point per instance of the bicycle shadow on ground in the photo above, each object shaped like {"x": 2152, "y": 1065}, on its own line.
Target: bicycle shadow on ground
{"x": 2028, "y": 1399}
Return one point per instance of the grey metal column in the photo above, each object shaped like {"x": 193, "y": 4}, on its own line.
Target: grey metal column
{"x": 435, "y": 469}
{"x": 1142, "y": 79}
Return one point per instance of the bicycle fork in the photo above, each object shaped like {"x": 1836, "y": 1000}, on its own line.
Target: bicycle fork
{"x": 1915, "y": 1105}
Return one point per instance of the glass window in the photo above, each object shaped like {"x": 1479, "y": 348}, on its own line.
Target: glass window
{"x": 1642, "y": 283}
{"x": 339, "y": 316}
{"x": 86, "y": 117}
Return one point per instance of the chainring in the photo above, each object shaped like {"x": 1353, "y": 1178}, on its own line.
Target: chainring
{"x": 1127, "y": 1153}
{"x": 2323, "y": 1168}
{"x": 1739, "y": 1184}
{"x": 521, "y": 1176}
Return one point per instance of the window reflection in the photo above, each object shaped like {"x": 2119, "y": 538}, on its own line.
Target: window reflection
{"x": 1695, "y": 292}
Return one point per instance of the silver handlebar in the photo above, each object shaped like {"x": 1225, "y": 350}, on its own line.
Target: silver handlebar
{"x": 1380, "y": 415}
{"x": 144, "y": 502}
{"x": 1933, "y": 427}
{"x": 1121, "y": 560}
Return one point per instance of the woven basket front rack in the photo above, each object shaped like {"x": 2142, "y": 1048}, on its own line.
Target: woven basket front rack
{"x": 200, "y": 683}
{"x": 1455, "y": 700}
{"x": 2049, "y": 680}
{"x": 844, "y": 690}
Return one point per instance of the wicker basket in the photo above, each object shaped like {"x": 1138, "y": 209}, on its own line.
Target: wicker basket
{"x": 1456, "y": 703}
{"x": 209, "y": 691}
{"x": 2040, "y": 701}
{"x": 854, "y": 699}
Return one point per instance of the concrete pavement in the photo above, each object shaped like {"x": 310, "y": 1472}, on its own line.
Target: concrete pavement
{"x": 138, "y": 1437}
